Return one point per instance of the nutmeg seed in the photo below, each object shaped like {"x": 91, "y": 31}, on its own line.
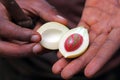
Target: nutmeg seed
{"x": 73, "y": 42}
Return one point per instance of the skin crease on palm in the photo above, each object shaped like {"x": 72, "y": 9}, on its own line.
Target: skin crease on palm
{"x": 101, "y": 18}
{"x": 18, "y": 41}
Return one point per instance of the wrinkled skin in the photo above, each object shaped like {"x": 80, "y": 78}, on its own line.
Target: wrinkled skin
{"x": 18, "y": 41}
{"x": 101, "y": 18}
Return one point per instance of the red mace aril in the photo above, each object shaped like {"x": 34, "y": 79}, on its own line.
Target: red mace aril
{"x": 73, "y": 42}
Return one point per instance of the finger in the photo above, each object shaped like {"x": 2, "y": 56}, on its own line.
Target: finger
{"x": 59, "y": 65}
{"x": 11, "y": 31}
{"x": 48, "y": 12}
{"x": 38, "y": 24}
{"x": 104, "y": 54}
{"x": 112, "y": 64}
{"x": 79, "y": 63}
{"x": 72, "y": 68}
{"x": 15, "y": 50}
{"x": 59, "y": 55}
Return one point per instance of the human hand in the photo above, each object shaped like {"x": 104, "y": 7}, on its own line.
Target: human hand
{"x": 15, "y": 40}
{"x": 101, "y": 18}
{"x": 18, "y": 41}
{"x": 42, "y": 9}
{"x": 110, "y": 66}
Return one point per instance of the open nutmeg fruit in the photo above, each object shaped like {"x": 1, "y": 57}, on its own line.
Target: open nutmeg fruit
{"x": 70, "y": 42}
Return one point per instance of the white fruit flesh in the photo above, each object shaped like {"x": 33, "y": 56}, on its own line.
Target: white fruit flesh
{"x": 51, "y": 33}
{"x": 79, "y": 30}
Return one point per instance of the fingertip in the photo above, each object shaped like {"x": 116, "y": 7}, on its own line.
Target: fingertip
{"x": 35, "y": 38}
{"x": 87, "y": 73}
{"x": 37, "y": 48}
{"x": 59, "y": 65}
{"x": 90, "y": 70}
{"x": 59, "y": 55}
{"x": 66, "y": 74}
{"x": 57, "y": 68}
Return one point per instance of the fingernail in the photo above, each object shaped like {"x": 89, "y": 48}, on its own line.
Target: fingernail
{"x": 37, "y": 48}
{"x": 35, "y": 38}
{"x": 62, "y": 20}
{"x": 60, "y": 17}
{"x": 90, "y": 71}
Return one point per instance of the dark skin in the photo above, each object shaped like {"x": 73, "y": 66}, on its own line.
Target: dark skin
{"x": 101, "y": 18}
{"x": 18, "y": 41}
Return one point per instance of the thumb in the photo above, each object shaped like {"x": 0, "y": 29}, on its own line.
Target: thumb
{"x": 84, "y": 24}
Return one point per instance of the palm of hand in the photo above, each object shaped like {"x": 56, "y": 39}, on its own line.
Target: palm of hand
{"x": 101, "y": 18}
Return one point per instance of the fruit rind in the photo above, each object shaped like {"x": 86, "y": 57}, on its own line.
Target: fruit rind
{"x": 51, "y": 33}
{"x": 80, "y": 30}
